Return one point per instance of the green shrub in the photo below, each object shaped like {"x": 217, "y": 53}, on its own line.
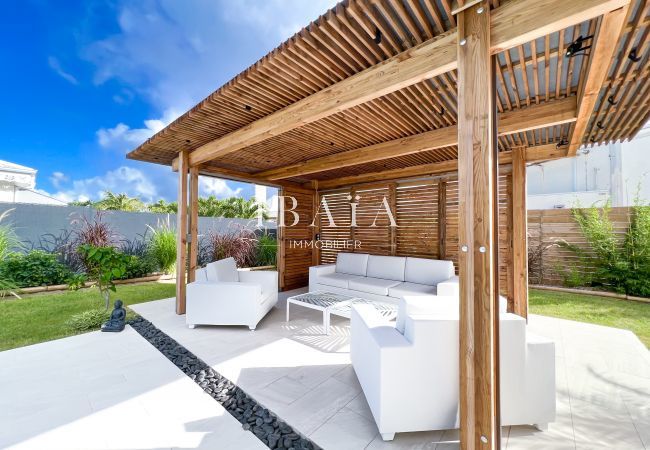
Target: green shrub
{"x": 162, "y": 247}
{"x": 267, "y": 248}
{"x": 8, "y": 239}
{"x": 88, "y": 320}
{"x": 138, "y": 267}
{"x": 105, "y": 264}
{"x": 76, "y": 281}
{"x": 36, "y": 268}
{"x": 620, "y": 265}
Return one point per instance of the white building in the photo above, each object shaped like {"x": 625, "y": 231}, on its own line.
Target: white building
{"x": 615, "y": 172}
{"x": 17, "y": 185}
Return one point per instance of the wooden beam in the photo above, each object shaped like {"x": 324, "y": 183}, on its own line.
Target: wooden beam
{"x": 519, "y": 233}
{"x": 477, "y": 233}
{"x": 533, "y": 154}
{"x": 181, "y": 230}
{"x": 194, "y": 223}
{"x": 513, "y": 24}
{"x": 536, "y": 116}
{"x": 600, "y": 58}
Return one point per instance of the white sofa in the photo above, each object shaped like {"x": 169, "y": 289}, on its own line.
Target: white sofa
{"x": 409, "y": 370}
{"x": 385, "y": 278}
{"x": 225, "y": 295}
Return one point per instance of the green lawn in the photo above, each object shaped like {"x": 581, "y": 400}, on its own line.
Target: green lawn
{"x": 633, "y": 316}
{"x": 41, "y": 317}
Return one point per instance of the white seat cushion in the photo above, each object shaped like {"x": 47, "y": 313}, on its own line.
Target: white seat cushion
{"x": 352, "y": 263}
{"x": 222, "y": 270}
{"x": 386, "y": 267}
{"x": 372, "y": 285}
{"x": 414, "y": 305}
{"x": 428, "y": 271}
{"x": 337, "y": 279}
{"x": 413, "y": 289}
{"x": 201, "y": 274}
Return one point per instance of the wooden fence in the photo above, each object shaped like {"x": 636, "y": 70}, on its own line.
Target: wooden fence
{"x": 549, "y": 263}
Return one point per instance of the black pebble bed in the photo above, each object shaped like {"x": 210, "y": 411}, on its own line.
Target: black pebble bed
{"x": 260, "y": 421}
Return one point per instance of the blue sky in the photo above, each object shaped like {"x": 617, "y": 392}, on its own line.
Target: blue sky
{"x": 84, "y": 82}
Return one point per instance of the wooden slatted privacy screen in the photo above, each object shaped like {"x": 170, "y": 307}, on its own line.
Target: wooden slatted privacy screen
{"x": 422, "y": 222}
{"x": 548, "y": 227}
{"x": 294, "y": 260}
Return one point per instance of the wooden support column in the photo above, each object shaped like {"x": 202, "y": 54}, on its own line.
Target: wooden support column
{"x": 519, "y": 233}
{"x": 478, "y": 225}
{"x": 392, "y": 203}
{"x": 181, "y": 230}
{"x": 194, "y": 223}
{"x": 442, "y": 219}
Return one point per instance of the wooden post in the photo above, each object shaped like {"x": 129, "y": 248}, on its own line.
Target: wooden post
{"x": 519, "y": 233}
{"x": 442, "y": 219}
{"x": 392, "y": 203}
{"x": 478, "y": 220}
{"x": 281, "y": 254}
{"x": 315, "y": 253}
{"x": 194, "y": 223}
{"x": 181, "y": 229}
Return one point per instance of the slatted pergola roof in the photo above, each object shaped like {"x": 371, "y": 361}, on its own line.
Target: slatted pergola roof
{"x": 358, "y": 35}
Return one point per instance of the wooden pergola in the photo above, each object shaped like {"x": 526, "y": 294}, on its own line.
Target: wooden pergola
{"x": 437, "y": 106}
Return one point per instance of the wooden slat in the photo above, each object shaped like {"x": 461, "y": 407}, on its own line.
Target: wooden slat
{"x": 513, "y": 24}
{"x": 601, "y": 55}
{"x": 537, "y": 116}
{"x": 478, "y": 225}
{"x": 181, "y": 230}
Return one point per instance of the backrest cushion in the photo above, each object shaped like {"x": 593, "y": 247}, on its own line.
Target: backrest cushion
{"x": 386, "y": 267}
{"x": 428, "y": 271}
{"x": 222, "y": 270}
{"x": 352, "y": 263}
{"x": 415, "y": 305}
{"x": 201, "y": 274}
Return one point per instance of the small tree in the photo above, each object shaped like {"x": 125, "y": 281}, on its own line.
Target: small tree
{"x": 105, "y": 264}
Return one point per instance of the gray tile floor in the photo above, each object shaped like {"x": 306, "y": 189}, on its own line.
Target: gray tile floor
{"x": 603, "y": 381}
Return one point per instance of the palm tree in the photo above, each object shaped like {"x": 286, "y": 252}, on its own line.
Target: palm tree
{"x": 161, "y": 206}
{"x": 244, "y": 209}
{"x": 119, "y": 202}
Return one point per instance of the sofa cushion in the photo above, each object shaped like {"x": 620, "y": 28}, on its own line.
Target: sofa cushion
{"x": 412, "y": 289}
{"x": 352, "y": 263}
{"x": 370, "y": 285}
{"x": 424, "y": 305}
{"x": 222, "y": 270}
{"x": 386, "y": 267}
{"x": 201, "y": 274}
{"x": 336, "y": 279}
{"x": 427, "y": 271}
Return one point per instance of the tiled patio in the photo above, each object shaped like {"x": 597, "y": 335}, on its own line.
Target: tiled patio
{"x": 603, "y": 381}
{"x": 118, "y": 392}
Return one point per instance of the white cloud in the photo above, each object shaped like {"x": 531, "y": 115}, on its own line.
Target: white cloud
{"x": 124, "y": 138}
{"x": 55, "y": 65}
{"x": 217, "y": 187}
{"x": 124, "y": 179}
{"x": 57, "y": 179}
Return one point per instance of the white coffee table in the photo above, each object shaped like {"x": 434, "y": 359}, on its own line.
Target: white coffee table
{"x": 338, "y": 304}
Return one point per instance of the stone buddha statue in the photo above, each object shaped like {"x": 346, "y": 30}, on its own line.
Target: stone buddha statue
{"x": 117, "y": 319}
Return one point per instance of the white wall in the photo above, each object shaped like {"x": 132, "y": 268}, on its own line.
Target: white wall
{"x": 613, "y": 171}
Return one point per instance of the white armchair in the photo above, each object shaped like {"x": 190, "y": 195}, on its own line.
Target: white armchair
{"x": 223, "y": 295}
{"x": 409, "y": 372}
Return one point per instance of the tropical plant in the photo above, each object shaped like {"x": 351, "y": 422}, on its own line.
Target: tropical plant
{"x": 162, "y": 207}
{"x": 621, "y": 265}
{"x": 119, "y": 202}
{"x": 267, "y": 248}
{"x": 84, "y": 203}
{"x": 162, "y": 246}
{"x": 138, "y": 267}
{"x": 64, "y": 246}
{"x": 94, "y": 232}
{"x": 35, "y": 268}
{"x": 239, "y": 244}
{"x": 9, "y": 241}
{"x": 76, "y": 281}
{"x": 105, "y": 264}
{"x": 88, "y": 320}
{"x": 238, "y": 207}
